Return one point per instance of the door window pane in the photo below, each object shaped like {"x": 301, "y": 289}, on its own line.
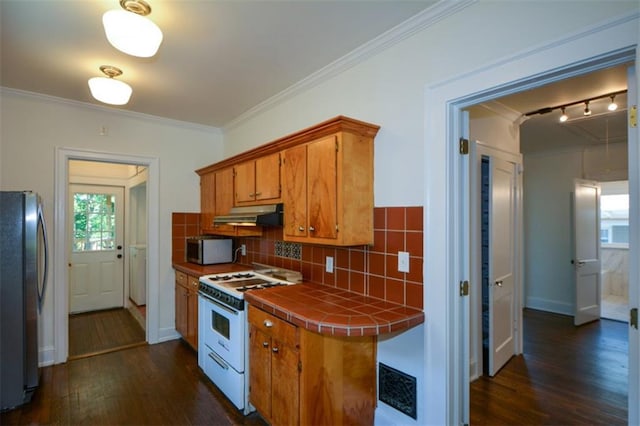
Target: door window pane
{"x": 93, "y": 222}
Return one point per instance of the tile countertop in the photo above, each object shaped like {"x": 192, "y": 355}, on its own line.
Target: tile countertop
{"x": 199, "y": 270}
{"x": 332, "y": 311}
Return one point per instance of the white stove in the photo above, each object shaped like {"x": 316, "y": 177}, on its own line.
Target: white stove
{"x": 230, "y": 288}
{"x": 223, "y": 333}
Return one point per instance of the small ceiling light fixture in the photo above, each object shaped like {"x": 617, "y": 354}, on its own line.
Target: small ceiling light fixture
{"x": 130, "y": 31}
{"x": 613, "y": 105}
{"x": 564, "y": 117}
{"x": 108, "y": 89}
{"x": 587, "y": 111}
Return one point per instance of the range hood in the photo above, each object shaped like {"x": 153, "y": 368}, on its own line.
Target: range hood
{"x": 267, "y": 215}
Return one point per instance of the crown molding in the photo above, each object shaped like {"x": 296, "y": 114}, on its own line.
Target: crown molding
{"x": 110, "y": 110}
{"x": 402, "y": 31}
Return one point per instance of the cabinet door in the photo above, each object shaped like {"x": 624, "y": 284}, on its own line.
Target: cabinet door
{"x": 295, "y": 191}
{"x": 192, "y": 312}
{"x": 284, "y": 384}
{"x": 224, "y": 198}
{"x": 268, "y": 177}
{"x": 245, "y": 182}
{"x": 322, "y": 188}
{"x": 260, "y": 371}
{"x": 207, "y": 200}
{"x": 181, "y": 309}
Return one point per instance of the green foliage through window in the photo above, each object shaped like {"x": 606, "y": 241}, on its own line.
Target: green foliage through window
{"x": 94, "y": 222}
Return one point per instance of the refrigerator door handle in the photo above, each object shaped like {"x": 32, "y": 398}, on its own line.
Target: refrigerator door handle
{"x": 46, "y": 258}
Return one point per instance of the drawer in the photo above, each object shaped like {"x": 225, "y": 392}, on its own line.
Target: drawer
{"x": 193, "y": 283}
{"x": 181, "y": 278}
{"x": 273, "y": 326}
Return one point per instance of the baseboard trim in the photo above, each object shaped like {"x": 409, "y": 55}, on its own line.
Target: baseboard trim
{"x": 548, "y": 305}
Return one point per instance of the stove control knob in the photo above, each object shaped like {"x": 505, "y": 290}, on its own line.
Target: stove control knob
{"x": 268, "y": 323}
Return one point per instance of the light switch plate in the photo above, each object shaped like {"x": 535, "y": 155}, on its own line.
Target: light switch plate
{"x": 329, "y": 264}
{"x": 403, "y": 261}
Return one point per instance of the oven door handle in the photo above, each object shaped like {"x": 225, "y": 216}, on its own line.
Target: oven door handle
{"x": 218, "y": 304}
{"x": 218, "y": 359}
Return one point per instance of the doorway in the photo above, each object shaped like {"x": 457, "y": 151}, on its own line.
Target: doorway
{"x": 560, "y": 163}
{"x": 64, "y": 158}
{"x": 107, "y": 256}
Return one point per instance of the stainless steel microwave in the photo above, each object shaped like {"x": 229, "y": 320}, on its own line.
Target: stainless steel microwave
{"x": 207, "y": 250}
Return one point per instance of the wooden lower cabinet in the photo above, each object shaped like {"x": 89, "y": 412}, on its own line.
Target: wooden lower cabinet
{"x": 298, "y": 377}
{"x": 187, "y": 308}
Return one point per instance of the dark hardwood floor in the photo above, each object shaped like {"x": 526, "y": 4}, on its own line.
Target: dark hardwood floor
{"x": 567, "y": 376}
{"x": 98, "y": 332}
{"x": 146, "y": 385}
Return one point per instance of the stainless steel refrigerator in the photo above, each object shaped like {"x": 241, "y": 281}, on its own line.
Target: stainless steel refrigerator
{"x": 23, "y": 277}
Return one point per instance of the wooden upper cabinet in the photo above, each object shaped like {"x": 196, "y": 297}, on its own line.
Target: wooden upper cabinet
{"x": 328, "y": 191}
{"x": 207, "y": 201}
{"x": 322, "y": 174}
{"x": 258, "y": 181}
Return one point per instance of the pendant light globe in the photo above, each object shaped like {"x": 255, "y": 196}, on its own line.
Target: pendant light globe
{"x": 130, "y": 31}
{"x": 109, "y": 90}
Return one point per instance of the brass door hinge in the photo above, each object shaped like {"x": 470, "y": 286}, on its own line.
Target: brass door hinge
{"x": 633, "y": 318}
{"x": 464, "y": 288}
{"x": 464, "y": 146}
{"x": 633, "y": 116}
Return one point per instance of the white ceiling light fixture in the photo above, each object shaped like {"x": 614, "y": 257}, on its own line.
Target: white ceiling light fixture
{"x": 586, "y": 112}
{"x": 564, "y": 117}
{"x": 130, "y": 31}
{"x": 612, "y": 105}
{"x": 108, "y": 89}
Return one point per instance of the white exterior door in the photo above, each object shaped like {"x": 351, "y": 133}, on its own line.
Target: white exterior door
{"x": 586, "y": 231}
{"x": 97, "y": 266}
{"x": 502, "y": 262}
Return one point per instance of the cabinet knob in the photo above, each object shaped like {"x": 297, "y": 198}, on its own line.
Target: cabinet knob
{"x": 275, "y": 350}
{"x": 268, "y": 323}
{"x": 301, "y": 228}
{"x": 311, "y": 228}
{"x": 265, "y": 344}
{"x": 257, "y": 194}
{"x": 251, "y": 195}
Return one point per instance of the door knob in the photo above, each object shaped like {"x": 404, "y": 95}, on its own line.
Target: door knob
{"x": 499, "y": 283}
{"x": 119, "y": 247}
{"x": 119, "y": 256}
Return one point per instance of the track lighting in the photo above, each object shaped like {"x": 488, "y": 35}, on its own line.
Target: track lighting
{"x": 587, "y": 109}
{"x": 564, "y": 117}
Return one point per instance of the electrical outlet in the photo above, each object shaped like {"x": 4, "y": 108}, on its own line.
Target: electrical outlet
{"x": 243, "y": 249}
{"x": 403, "y": 261}
{"x": 329, "y": 264}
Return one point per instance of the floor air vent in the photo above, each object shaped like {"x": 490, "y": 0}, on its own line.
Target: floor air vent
{"x": 397, "y": 389}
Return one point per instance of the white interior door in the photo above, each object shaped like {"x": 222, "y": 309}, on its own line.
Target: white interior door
{"x": 502, "y": 262}
{"x": 97, "y": 265}
{"x": 586, "y": 231}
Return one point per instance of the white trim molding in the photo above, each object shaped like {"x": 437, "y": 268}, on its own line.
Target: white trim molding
{"x": 60, "y": 269}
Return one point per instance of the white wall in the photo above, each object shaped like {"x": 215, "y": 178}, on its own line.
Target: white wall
{"x": 388, "y": 89}
{"x": 33, "y": 126}
{"x": 548, "y": 184}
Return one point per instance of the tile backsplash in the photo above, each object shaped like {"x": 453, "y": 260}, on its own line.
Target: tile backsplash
{"x": 183, "y": 225}
{"x": 368, "y": 270}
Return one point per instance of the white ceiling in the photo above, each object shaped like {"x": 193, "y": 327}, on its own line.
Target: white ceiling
{"x": 218, "y": 58}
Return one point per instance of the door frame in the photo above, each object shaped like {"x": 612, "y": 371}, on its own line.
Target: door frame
{"x": 60, "y": 269}
{"x": 446, "y": 213}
